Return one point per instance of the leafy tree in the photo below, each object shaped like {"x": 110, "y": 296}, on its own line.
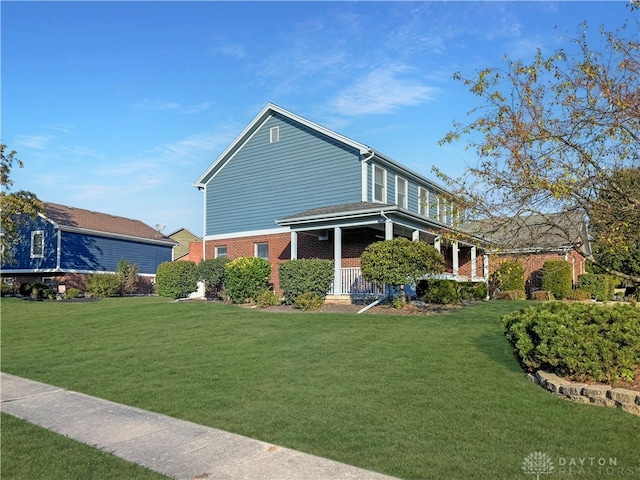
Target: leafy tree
{"x": 128, "y": 274}
{"x": 550, "y": 136}
{"x": 399, "y": 261}
{"x": 16, "y": 208}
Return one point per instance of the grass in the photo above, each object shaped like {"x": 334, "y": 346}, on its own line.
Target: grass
{"x": 438, "y": 397}
{"x": 33, "y": 453}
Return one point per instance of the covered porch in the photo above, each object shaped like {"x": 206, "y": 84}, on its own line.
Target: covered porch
{"x": 342, "y": 232}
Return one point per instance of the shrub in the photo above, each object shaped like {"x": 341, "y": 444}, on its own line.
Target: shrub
{"x": 600, "y": 286}
{"x": 472, "y": 290}
{"x": 267, "y": 298}
{"x": 5, "y": 289}
{"x": 104, "y": 285}
{"x": 439, "y": 291}
{"x": 308, "y": 301}
{"x": 578, "y": 294}
{"x": 129, "y": 278}
{"x": 247, "y": 277}
{"x": 585, "y": 342}
{"x": 176, "y": 279}
{"x": 542, "y": 295}
{"x": 509, "y": 276}
{"x": 510, "y": 295}
{"x": 41, "y": 290}
{"x": 25, "y": 289}
{"x": 305, "y": 275}
{"x": 557, "y": 277}
{"x": 213, "y": 274}
{"x": 72, "y": 293}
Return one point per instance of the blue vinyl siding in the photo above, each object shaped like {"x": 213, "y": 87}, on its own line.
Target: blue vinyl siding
{"x": 87, "y": 252}
{"x": 22, "y": 251}
{"x": 265, "y": 181}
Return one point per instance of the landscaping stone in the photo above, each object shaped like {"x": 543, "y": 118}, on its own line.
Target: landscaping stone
{"x": 595, "y": 391}
{"x": 572, "y": 389}
{"x": 622, "y": 395}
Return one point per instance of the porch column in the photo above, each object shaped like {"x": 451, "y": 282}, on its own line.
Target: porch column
{"x": 456, "y": 261}
{"x": 388, "y": 230}
{"x": 415, "y": 236}
{"x": 485, "y": 266}
{"x": 337, "y": 260}
{"x": 473, "y": 262}
{"x": 436, "y": 244}
{"x": 294, "y": 245}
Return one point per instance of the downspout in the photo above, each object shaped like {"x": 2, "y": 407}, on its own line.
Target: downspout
{"x": 365, "y": 176}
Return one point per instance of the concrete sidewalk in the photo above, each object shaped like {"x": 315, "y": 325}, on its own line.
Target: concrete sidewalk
{"x": 176, "y": 448}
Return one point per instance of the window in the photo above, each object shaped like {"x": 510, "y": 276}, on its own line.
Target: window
{"x": 37, "y": 244}
{"x": 262, "y": 250}
{"x": 423, "y": 202}
{"x": 274, "y": 135}
{"x": 401, "y": 192}
{"x": 434, "y": 207}
{"x": 221, "y": 252}
{"x": 379, "y": 184}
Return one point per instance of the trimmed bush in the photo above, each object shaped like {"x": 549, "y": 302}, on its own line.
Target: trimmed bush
{"x": 557, "y": 278}
{"x": 542, "y": 295}
{"x": 579, "y": 295}
{"x": 308, "y": 301}
{"x": 472, "y": 290}
{"x": 104, "y": 285}
{"x": 439, "y": 291}
{"x": 509, "y": 276}
{"x": 247, "y": 277}
{"x": 72, "y": 293}
{"x": 600, "y": 286}
{"x": 305, "y": 275}
{"x": 176, "y": 279}
{"x": 213, "y": 274}
{"x": 5, "y": 289}
{"x": 585, "y": 342}
{"x": 510, "y": 295}
{"x": 267, "y": 298}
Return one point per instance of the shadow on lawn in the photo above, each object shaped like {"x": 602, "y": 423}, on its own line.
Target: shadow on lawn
{"x": 498, "y": 351}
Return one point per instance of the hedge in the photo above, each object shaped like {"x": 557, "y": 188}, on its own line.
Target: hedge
{"x": 104, "y": 285}
{"x": 557, "y": 278}
{"x": 305, "y": 276}
{"x": 213, "y": 274}
{"x": 247, "y": 278}
{"x": 585, "y": 342}
{"x": 600, "y": 286}
{"x": 176, "y": 279}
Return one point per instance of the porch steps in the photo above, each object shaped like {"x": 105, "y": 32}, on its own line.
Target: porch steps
{"x": 338, "y": 299}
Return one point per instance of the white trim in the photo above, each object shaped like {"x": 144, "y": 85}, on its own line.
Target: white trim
{"x": 216, "y": 253}
{"x": 274, "y": 134}
{"x": 423, "y": 209}
{"x": 249, "y": 233}
{"x": 31, "y": 252}
{"x": 204, "y": 221}
{"x": 255, "y": 249}
{"x": 365, "y": 181}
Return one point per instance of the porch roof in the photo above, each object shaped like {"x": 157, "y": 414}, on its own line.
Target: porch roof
{"x": 363, "y": 213}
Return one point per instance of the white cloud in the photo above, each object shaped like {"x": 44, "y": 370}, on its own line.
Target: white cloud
{"x": 155, "y": 105}
{"x": 382, "y": 91}
{"x": 39, "y": 142}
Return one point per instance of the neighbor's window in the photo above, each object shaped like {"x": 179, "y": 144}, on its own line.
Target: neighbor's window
{"x": 221, "y": 252}
{"x": 401, "y": 192}
{"x": 37, "y": 244}
{"x": 379, "y": 184}
{"x": 274, "y": 135}
{"x": 423, "y": 202}
{"x": 262, "y": 250}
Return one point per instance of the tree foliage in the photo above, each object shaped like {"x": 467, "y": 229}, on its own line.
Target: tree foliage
{"x": 558, "y": 134}
{"x": 399, "y": 261}
{"x": 16, "y": 208}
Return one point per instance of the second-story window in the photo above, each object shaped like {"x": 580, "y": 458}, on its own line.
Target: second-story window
{"x": 423, "y": 201}
{"x": 401, "y": 192}
{"x": 379, "y": 184}
{"x": 37, "y": 244}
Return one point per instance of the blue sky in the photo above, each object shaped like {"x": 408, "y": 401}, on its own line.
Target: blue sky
{"x": 120, "y": 106}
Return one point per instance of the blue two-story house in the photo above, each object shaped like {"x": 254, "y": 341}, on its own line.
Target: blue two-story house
{"x": 288, "y": 188}
{"x": 64, "y": 244}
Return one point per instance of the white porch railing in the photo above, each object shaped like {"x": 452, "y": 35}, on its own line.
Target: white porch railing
{"x": 354, "y": 284}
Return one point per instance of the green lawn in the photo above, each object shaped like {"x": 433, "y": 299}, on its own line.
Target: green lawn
{"x": 437, "y": 397}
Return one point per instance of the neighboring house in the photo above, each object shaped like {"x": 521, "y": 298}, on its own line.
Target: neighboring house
{"x": 63, "y": 244}
{"x": 288, "y": 188}
{"x": 183, "y": 237}
{"x": 533, "y": 239}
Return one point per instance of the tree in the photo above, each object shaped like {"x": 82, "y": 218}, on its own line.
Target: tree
{"x": 128, "y": 274}
{"x": 550, "y": 136}
{"x": 399, "y": 261}
{"x": 16, "y": 208}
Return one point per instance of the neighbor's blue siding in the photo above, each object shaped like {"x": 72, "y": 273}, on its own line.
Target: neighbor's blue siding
{"x": 22, "y": 251}
{"x": 266, "y": 181}
{"x": 82, "y": 252}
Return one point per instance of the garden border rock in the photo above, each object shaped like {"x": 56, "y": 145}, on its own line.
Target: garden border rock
{"x": 603, "y": 395}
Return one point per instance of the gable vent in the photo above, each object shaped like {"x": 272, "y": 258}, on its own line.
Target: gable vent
{"x": 274, "y": 135}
